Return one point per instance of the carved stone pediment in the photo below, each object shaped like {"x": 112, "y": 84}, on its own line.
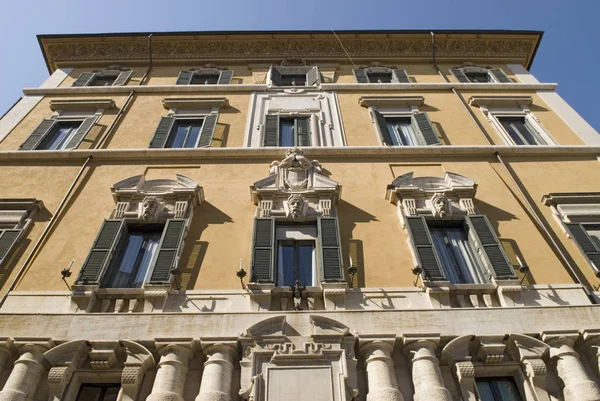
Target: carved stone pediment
{"x": 295, "y": 189}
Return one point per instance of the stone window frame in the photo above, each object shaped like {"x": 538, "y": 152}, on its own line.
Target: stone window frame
{"x": 121, "y": 75}
{"x": 322, "y": 108}
{"x": 513, "y": 106}
{"x": 300, "y": 69}
{"x": 467, "y": 68}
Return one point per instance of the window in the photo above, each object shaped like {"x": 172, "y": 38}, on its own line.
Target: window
{"x": 107, "y": 77}
{"x": 57, "y": 134}
{"x": 480, "y": 75}
{"x": 287, "y": 131}
{"x": 98, "y": 392}
{"x": 521, "y": 131}
{"x": 205, "y": 76}
{"x": 296, "y": 255}
{"x": 134, "y": 257}
{"x": 294, "y": 76}
{"x": 175, "y": 132}
{"x": 587, "y": 237}
{"x": 497, "y": 389}
{"x": 406, "y": 130}
{"x": 381, "y": 75}
{"x": 16, "y": 216}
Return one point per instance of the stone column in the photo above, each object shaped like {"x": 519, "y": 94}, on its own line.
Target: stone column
{"x": 381, "y": 377}
{"x": 27, "y": 372}
{"x": 218, "y": 371}
{"x": 426, "y": 374}
{"x": 578, "y": 385}
{"x": 171, "y": 373}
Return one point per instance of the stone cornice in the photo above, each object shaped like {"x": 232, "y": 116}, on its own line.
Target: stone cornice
{"x": 201, "y": 89}
{"x": 456, "y": 46}
{"x": 326, "y": 153}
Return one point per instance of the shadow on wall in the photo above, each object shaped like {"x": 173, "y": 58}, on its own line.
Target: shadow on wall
{"x": 6, "y": 269}
{"x": 349, "y": 215}
{"x": 194, "y": 249}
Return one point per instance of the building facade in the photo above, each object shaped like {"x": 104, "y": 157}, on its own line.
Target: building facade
{"x": 389, "y": 215}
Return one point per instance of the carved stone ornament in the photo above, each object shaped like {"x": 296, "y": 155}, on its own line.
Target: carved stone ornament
{"x": 439, "y": 197}
{"x": 449, "y": 48}
{"x": 157, "y": 200}
{"x": 295, "y": 189}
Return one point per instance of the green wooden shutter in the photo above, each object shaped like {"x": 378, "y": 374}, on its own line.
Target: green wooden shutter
{"x": 499, "y": 75}
{"x": 400, "y": 76}
{"x": 208, "y": 129}
{"x": 262, "y": 267}
{"x": 82, "y": 131}
{"x": 184, "y": 78}
{"x": 585, "y": 243}
{"x": 38, "y": 134}
{"x": 330, "y": 250}
{"x": 275, "y": 76}
{"x": 8, "y": 238}
{"x": 460, "y": 75}
{"x": 491, "y": 247}
{"x": 312, "y": 76}
{"x": 383, "y": 128}
{"x": 162, "y": 132}
{"x": 102, "y": 251}
{"x": 423, "y": 128}
{"x": 225, "y": 77}
{"x": 361, "y": 76}
{"x": 426, "y": 256}
{"x": 123, "y": 78}
{"x": 168, "y": 251}
{"x": 302, "y": 132}
{"x": 271, "y": 131}
{"x": 84, "y": 79}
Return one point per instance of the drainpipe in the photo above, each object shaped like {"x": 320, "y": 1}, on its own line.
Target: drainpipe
{"x": 149, "y": 59}
{"x": 44, "y": 235}
{"x": 433, "y": 49}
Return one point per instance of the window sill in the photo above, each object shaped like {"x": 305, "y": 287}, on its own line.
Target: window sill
{"x": 499, "y": 293}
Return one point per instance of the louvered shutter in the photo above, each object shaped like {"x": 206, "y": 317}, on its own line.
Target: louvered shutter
{"x": 271, "y": 131}
{"x": 38, "y": 134}
{"x": 168, "y": 251}
{"x": 225, "y": 77}
{"x": 123, "y": 78}
{"x": 422, "y": 126}
{"x": 491, "y": 247}
{"x": 84, "y": 79}
{"x": 275, "y": 76}
{"x": 162, "y": 132}
{"x": 8, "y": 238}
{"x": 184, "y": 78}
{"x": 460, "y": 75}
{"x": 302, "y": 132}
{"x": 585, "y": 243}
{"x": 383, "y": 128}
{"x": 102, "y": 252}
{"x": 82, "y": 131}
{"x": 262, "y": 268}
{"x": 312, "y": 76}
{"x": 361, "y": 76}
{"x": 400, "y": 76}
{"x": 499, "y": 75}
{"x": 208, "y": 129}
{"x": 329, "y": 246}
{"x": 421, "y": 239}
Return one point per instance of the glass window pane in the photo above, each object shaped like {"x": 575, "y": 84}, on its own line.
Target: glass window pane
{"x": 507, "y": 390}
{"x": 401, "y": 132}
{"x": 459, "y": 260}
{"x": 286, "y": 132}
{"x": 177, "y": 137}
{"x": 478, "y": 77}
{"x": 293, "y": 80}
{"x": 60, "y": 135}
{"x": 485, "y": 391}
{"x": 305, "y": 263}
{"x": 193, "y": 136}
{"x": 103, "y": 81}
{"x": 205, "y": 79}
{"x": 285, "y": 264}
{"x": 149, "y": 248}
{"x": 381, "y": 77}
{"x": 519, "y": 132}
{"x": 594, "y": 233}
{"x": 184, "y": 134}
{"x": 89, "y": 393}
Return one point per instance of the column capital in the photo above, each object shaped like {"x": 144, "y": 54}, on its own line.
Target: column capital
{"x": 560, "y": 338}
{"x": 385, "y": 343}
{"x": 183, "y": 347}
{"x": 414, "y": 342}
{"x": 33, "y": 345}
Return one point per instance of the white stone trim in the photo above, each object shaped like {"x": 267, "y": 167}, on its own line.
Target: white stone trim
{"x": 57, "y": 77}
{"x": 582, "y": 128}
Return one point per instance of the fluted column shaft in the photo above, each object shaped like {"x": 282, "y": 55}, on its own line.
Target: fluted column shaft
{"x": 26, "y": 375}
{"x": 217, "y": 374}
{"x": 426, "y": 374}
{"x": 578, "y": 385}
{"x": 380, "y": 371}
{"x": 171, "y": 373}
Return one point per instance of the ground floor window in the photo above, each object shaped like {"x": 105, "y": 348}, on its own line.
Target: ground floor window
{"x": 497, "y": 389}
{"x": 98, "y": 392}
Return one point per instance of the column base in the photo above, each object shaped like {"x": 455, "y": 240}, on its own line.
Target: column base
{"x": 164, "y": 396}
{"x": 580, "y": 391}
{"x": 12, "y": 395}
{"x": 385, "y": 394}
{"x": 433, "y": 394}
{"x": 212, "y": 396}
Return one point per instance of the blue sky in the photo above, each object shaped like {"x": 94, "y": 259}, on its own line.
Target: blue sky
{"x": 569, "y": 53}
